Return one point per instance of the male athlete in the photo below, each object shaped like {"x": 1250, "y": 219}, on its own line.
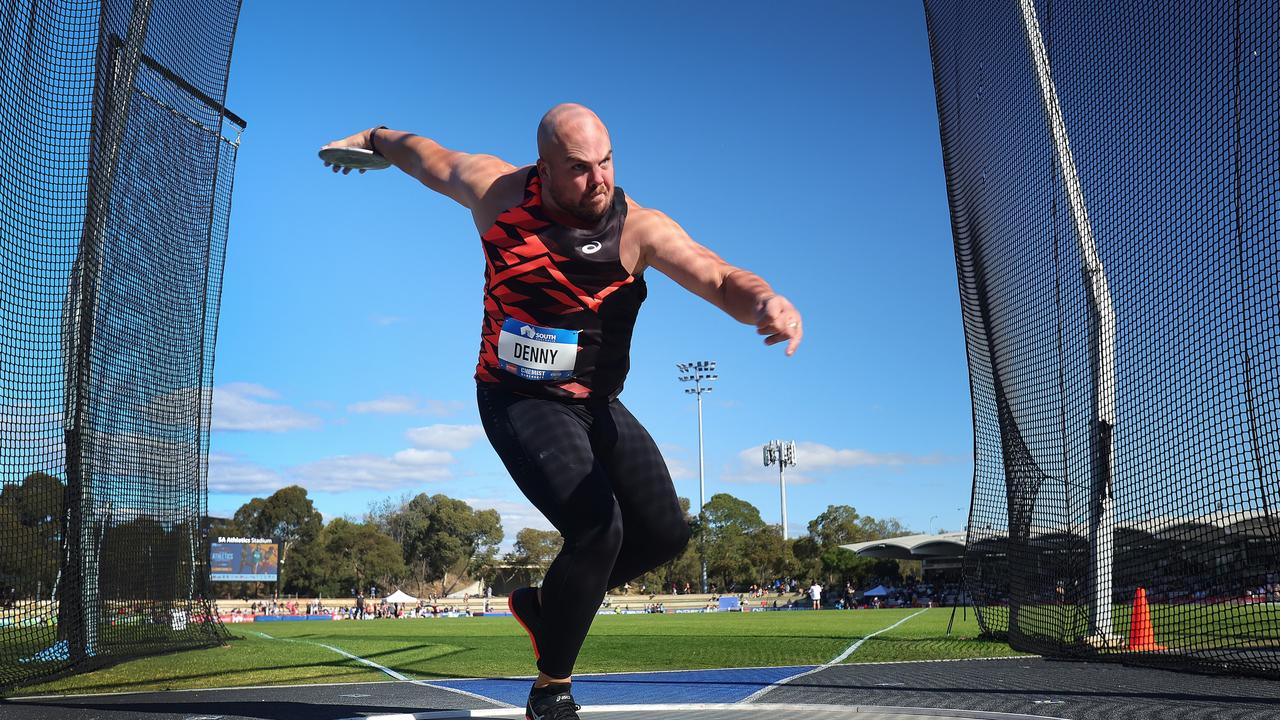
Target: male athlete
{"x": 565, "y": 253}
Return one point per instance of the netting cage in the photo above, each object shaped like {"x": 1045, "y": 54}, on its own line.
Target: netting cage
{"x": 117, "y": 155}
{"x": 1113, "y": 174}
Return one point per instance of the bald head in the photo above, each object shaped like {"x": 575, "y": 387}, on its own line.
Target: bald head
{"x": 575, "y": 161}
{"x": 567, "y": 122}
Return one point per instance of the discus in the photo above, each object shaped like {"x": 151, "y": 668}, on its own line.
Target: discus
{"x": 354, "y": 158}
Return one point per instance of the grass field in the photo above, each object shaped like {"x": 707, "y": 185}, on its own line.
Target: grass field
{"x": 1192, "y": 626}
{"x": 433, "y": 649}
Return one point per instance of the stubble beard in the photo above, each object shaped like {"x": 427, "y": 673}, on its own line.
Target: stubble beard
{"x": 582, "y": 211}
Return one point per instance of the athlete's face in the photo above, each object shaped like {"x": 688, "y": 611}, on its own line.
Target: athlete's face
{"x": 579, "y": 172}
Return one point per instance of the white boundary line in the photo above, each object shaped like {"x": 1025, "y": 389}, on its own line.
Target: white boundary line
{"x": 839, "y": 659}
{"x": 387, "y": 670}
{"x": 396, "y": 675}
{"x": 773, "y": 710}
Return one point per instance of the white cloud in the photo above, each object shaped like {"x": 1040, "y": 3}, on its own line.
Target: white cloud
{"x": 407, "y": 468}
{"x": 365, "y": 472}
{"x": 814, "y": 457}
{"x": 229, "y": 474}
{"x": 761, "y": 475}
{"x": 25, "y": 424}
{"x": 385, "y": 320}
{"x": 445, "y": 437}
{"x": 406, "y": 405}
{"x": 388, "y": 405}
{"x": 138, "y": 445}
{"x": 240, "y": 407}
{"x": 819, "y": 456}
{"x": 414, "y": 456}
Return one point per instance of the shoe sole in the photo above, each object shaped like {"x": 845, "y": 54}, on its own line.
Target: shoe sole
{"x": 537, "y": 655}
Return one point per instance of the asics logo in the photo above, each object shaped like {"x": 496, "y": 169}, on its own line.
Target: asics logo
{"x": 591, "y": 247}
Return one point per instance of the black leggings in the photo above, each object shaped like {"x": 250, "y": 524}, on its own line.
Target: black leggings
{"x": 595, "y": 473}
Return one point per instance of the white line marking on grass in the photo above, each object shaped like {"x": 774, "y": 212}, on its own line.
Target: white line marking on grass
{"x": 838, "y": 659}
{"x": 387, "y": 670}
{"x": 398, "y": 676}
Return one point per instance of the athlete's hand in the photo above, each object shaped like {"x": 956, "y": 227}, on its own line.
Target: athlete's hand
{"x": 778, "y": 320}
{"x": 359, "y": 140}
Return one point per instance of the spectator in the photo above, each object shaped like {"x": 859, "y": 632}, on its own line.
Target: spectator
{"x": 815, "y": 594}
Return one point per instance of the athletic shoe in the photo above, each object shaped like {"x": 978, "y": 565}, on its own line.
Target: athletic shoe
{"x": 525, "y": 608}
{"x": 553, "y": 702}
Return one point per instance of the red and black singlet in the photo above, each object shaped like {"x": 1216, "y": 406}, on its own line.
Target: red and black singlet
{"x": 541, "y": 274}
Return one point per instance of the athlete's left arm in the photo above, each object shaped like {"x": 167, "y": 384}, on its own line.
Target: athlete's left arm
{"x": 745, "y": 296}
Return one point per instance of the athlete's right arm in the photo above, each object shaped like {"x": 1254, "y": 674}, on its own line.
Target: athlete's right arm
{"x": 465, "y": 177}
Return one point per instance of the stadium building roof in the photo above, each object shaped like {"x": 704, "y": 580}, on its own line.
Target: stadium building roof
{"x": 912, "y": 547}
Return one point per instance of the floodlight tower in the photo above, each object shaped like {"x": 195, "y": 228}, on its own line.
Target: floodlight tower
{"x": 782, "y": 454}
{"x": 702, "y": 371}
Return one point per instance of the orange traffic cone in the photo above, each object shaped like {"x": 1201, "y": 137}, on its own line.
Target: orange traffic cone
{"x": 1141, "y": 637}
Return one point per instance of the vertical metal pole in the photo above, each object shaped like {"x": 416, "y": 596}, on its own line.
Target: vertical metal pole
{"x": 697, "y": 372}
{"x": 702, "y": 488}
{"x": 79, "y": 607}
{"x": 782, "y": 485}
{"x": 1102, "y": 349}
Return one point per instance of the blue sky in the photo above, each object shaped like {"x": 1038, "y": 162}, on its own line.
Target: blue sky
{"x": 798, "y": 140}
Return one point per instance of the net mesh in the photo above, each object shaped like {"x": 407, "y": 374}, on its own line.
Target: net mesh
{"x": 116, "y": 161}
{"x": 1113, "y": 171}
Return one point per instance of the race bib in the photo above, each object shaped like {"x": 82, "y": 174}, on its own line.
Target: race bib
{"x": 537, "y": 353}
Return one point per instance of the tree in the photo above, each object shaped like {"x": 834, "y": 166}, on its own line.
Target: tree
{"x": 821, "y": 553}
{"x": 737, "y": 541}
{"x": 536, "y": 547}
{"x": 288, "y": 515}
{"x": 385, "y": 515}
{"x": 31, "y": 534}
{"x": 842, "y": 525}
{"x": 359, "y": 553}
{"x": 840, "y": 564}
{"x": 444, "y": 536}
{"x": 312, "y": 569}
{"x": 727, "y": 514}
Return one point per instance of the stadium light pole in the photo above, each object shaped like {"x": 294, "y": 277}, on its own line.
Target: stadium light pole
{"x": 702, "y": 371}
{"x": 783, "y": 454}
{"x": 1102, "y": 348}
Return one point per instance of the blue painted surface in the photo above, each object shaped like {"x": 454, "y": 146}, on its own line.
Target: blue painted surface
{"x": 678, "y": 686}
